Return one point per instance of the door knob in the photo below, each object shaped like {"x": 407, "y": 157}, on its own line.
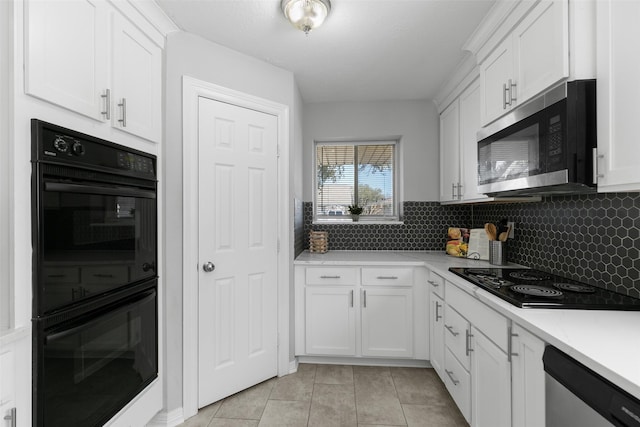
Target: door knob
{"x": 208, "y": 267}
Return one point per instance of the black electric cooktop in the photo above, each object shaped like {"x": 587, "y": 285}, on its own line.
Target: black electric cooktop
{"x": 528, "y": 288}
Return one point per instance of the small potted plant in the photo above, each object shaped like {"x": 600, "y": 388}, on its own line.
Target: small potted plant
{"x": 355, "y": 212}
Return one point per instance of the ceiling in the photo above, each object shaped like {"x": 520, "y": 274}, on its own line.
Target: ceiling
{"x": 367, "y": 50}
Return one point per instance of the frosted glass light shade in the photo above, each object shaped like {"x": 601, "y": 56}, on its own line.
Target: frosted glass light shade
{"x": 306, "y": 14}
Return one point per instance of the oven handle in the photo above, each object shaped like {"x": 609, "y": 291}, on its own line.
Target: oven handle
{"x": 136, "y": 300}
{"x": 97, "y": 189}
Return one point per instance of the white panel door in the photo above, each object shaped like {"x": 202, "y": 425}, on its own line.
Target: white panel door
{"x": 527, "y": 379}
{"x": 618, "y": 93}
{"x": 541, "y": 43}
{"x": 137, "y": 79}
{"x": 330, "y": 320}
{"x": 495, "y": 73}
{"x": 469, "y": 126}
{"x": 387, "y": 322}
{"x": 66, "y": 54}
{"x": 491, "y": 383}
{"x": 450, "y": 153}
{"x": 237, "y": 327}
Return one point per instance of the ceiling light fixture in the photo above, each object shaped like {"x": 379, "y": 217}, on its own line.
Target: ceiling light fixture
{"x": 306, "y": 15}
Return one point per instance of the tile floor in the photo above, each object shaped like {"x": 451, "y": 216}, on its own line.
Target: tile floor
{"x": 338, "y": 395}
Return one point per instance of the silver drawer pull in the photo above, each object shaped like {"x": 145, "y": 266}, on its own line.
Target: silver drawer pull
{"x": 510, "y": 336}
{"x": 387, "y": 277}
{"x": 450, "y": 329}
{"x": 103, "y": 275}
{"x": 329, "y": 277}
{"x": 438, "y": 316}
{"x": 436, "y": 284}
{"x": 468, "y": 342}
{"x": 451, "y": 377}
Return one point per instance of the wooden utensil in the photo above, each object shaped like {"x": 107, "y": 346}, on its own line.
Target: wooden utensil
{"x": 491, "y": 230}
{"x": 504, "y": 235}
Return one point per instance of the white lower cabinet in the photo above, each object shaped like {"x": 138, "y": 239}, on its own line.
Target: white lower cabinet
{"x": 527, "y": 379}
{"x": 436, "y": 333}
{"x": 387, "y": 322}
{"x": 490, "y": 384}
{"x": 360, "y": 312}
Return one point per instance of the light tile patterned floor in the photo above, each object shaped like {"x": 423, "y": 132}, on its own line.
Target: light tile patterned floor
{"x": 337, "y": 395}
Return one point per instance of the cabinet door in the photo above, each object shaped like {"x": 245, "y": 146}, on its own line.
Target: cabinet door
{"x": 495, "y": 72}
{"x": 137, "y": 86}
{"x": 618, "y": 68}
{"x": 491, "y": 383}
{"x": 66, "y": 54}
{"x": 387, "y": 322}
{"x": 330, "y": 321}
{"x": 469, "y": 126}
{"x": 436, "y": 334}
{"x": 449, "y": 153}
{"x": 541, "y": 45}
{"x": 527, "y": 379}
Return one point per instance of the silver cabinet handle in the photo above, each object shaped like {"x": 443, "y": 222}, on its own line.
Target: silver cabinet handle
{"x": 364, "y": 298}
{"x": 387, "y": 277}
{"x": 504, "y": 96}
{"x": 329, "y": 277}
{"x": 435, "y": 284}
{"x": 107, "y": 104}
{"x": 351, "y": 297}
{"x": 103, "y": 275}
{"x": 450, "y": 329}
{"x": 459, "y": 191}
{"x": 453, "y": 379}
{"x": 438, "y": 315}
{"x": 13, "y": 422}
{"x": 468, "y": 342}
{"x": 510, "y": 336}
{"x": 512, "y": 92}
{"x": 453, "y": 190}
{"x": 123, "y": 120}
{"x": 208, "y": 267}
{"x": 596, "y": 156}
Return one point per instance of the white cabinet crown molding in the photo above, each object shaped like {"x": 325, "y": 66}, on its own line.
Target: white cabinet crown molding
{"x": 489, "y": 25}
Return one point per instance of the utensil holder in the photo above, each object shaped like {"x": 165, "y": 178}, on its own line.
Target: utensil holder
{"x": 497, "y": 252}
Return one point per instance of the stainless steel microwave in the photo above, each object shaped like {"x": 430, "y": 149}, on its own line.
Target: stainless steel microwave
{"x": 544, "y": 147}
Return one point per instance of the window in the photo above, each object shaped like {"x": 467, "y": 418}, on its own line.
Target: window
{"x": 363, "y": 173}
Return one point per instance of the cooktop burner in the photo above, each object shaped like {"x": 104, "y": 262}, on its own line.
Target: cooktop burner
{"x": 530, "y": 288}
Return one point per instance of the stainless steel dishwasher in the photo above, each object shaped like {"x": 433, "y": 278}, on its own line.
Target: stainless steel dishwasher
{"x": 576, "y": 396}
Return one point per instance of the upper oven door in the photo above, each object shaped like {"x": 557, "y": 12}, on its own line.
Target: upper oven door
{"x": 531, "y": 153}
{"x": 93, "y": 238}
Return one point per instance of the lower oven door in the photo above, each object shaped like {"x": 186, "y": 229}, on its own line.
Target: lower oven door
{"x": 90, "y": 367}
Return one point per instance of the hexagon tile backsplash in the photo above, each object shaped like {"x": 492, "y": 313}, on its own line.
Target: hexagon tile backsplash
{"x": 593, "y": 238}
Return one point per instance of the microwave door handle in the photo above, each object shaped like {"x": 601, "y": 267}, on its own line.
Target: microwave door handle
{"x": 97, "y": 189}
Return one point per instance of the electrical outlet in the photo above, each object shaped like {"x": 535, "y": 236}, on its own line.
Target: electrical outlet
{"x": 511, "y": 226}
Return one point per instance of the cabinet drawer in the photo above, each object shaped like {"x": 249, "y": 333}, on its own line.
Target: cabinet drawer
{"x": 437, "y": 284}
{"x": 456, "y": 335}
{"x": 387, "y": 276}
{"x": 492, "y": 324}
{"x": 458, "y": 382}
{"x": 331, "y": 276}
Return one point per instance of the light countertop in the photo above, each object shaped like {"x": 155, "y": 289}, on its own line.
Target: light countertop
{"x": 606, "y": 341}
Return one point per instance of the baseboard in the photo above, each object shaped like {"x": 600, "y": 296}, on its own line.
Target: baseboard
{"x": 293, "y": 366}
{"x": 167, "y": 419}
{"x": 363, "y": 361}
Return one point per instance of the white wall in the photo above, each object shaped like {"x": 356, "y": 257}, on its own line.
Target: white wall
{"x": 187, "y": 54}
{"x": 416, "y": 121}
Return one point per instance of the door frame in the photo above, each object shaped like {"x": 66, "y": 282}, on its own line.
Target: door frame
{"x": 192, "y": 90}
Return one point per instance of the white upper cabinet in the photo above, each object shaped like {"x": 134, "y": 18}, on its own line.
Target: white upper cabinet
{"x": 450, "y": 153}
{"x": 541, "y": 46}
{"x": 137, "y": 81}
{"x": 497, "y": 81}
{"x": 66, "y": 60}
{"x": 618, "y": 68}
{"x": 87, "y": 57}
{"x": 533, "y": 57}
{"x": 459, "y": 124}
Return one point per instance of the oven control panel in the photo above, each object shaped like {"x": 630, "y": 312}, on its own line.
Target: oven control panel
{"x": 64, "y": 146}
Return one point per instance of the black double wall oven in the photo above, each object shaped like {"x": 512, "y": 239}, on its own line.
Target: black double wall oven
{"x": 94, "y": 231}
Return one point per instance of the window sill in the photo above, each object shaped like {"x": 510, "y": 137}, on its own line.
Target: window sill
{"x": 362, "y": 221}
